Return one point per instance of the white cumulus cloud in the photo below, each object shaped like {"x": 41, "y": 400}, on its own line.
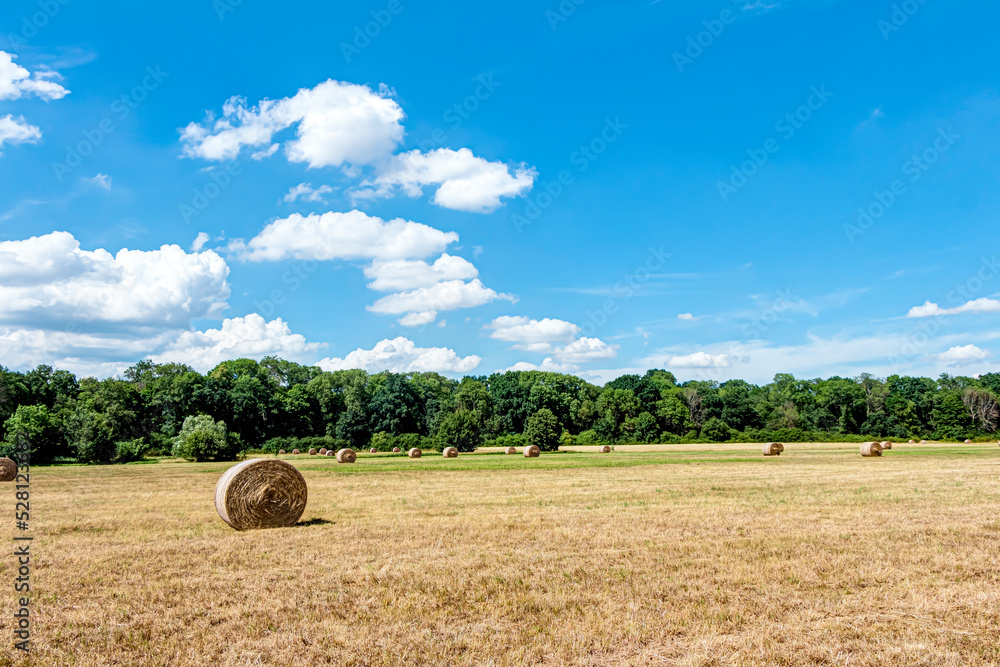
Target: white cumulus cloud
{"x": 448, "y": 295}
{"x": 700, "y": 360}
{"x": 930, "y": 309}
{"x": 404, "y": 274}
{"x": 962, "y": 354}
{"x": 401, "y": 355}
{"x": 338, "y": 123}
{"x": 532, "y": 335}
{"x": 464, "y": 181}
{"x": 350, "y": 235}
{"x": 16, "y": 81}
{"x": 47, "y": 281}
{"x": 17, "y": 131}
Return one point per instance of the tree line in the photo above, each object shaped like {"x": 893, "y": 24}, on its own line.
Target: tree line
{"x": 244, "y": 405}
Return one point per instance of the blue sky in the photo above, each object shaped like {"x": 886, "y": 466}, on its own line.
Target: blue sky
{"x": 723, "y": 189}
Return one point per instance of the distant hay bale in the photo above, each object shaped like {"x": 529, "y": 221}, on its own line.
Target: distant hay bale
{"x": 923, "y": 442}
{"x": 396, "y": 450}
{"x": 261, "y": 493}
{"x": 871, "y": 449}
{"x": 8, "y": 470}
{"x": 913, "y": 442}
{"x": 510, "y": 450}
{"x": 604, "y": 449}
{"x": 330, "y": 452}
{"x": 968, "y": 442}
{"x": 532, "y": 452}
{"x": 886, "y": 444}
{"x": 415, "y": 453}
{"x": 773, "y": 449}
{"x": 372, "y": 450}
{"x": 312, "y": 452}
{"x": 295, "y": 451}
{"x": 346, "y": 455}
{"x": 281, "y": 451}
{"x": 450, "y": 453}
{"x": 323, "y": 451}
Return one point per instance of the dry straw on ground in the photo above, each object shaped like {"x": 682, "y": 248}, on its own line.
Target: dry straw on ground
{"x": 871, "y": 449}
{"x": 511, "y": 450}
{"x": 773, "y": 449}
{"x": 414, "y": 453}
{"x": 8, "y": 470}
{"x": 532, "y": 451}
{"x": 261, "y": 493}
{"x": 604, "y": 449}
{"x": 449, "y": 453}
{"x": 346, "y": 455}
{"x": 886, "y": 444}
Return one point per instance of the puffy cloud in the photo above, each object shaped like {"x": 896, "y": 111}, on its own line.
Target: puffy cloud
{"x": 962, "y": 354}
{"x": 584, "y": 350}
{"x": 465, "y": 182}
{"x": 17, "y": 131}
{"x": 685, "y": 316}
{"x": 351, "y": 235}
{"x": 448, "y": 295}
{"x": 47, "y": 281}
{"x": 419, "y": 319}
{"x": 931, "y": 309}
{"x": 403, "y": 274}
{"x": 16, "y": 81}
{"x": 248, "y": 336}
{"x": 401, "y": 355}
{"x": 307, "y": 192}
{"x": 338, "y": 123}
{"x": 701, "y": 360}
{"x": 532, "y": 335}
{"x": 199, "y": 241}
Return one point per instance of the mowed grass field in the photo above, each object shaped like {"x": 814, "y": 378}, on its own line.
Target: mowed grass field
{"x": 667, "y": 555}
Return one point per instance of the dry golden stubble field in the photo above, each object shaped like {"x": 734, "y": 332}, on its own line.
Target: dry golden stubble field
{"x": 682, "y": 555}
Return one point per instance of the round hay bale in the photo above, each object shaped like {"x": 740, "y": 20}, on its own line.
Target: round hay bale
{"x": 871, "y": 449}
{"x": 532, "y": 452}
{"x": 330, "y": 452}
{"x": 449, "y": 453}
{"x": 295, "y": 451}
{"x": 414, "y": 453}
{"x": 312, "y": 452}
{"x": 323, "y": 451}
{"x": 913, "y": 442}
{"x": 261, "y": 493}
{"x": 604, "y": 449}
{"x": 8, "y": 470}
{"x": 372, "y": 450}
{"x": 346, "y": 455}
{"x": 772, "y": 449}
{"x": 886, "y": 445}
{"x": 281, "y": 451}
{"x": 396, "y": 450}
{"x": 968, "y": 442}
{"x": 510, "y": 450}
{"x": 923, "y": 442}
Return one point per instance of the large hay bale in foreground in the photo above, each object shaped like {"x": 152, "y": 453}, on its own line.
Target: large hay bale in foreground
{"x": 871, "y": 449}
{"x": 886, "y": 444}
{"x": 346, "y": 455}
{"x": 396, "y": 450}
{"x": 604, "y": 449}
{"x": 261, "y": 493}
{"x": 532, "y": 452}
{"x": 772, "y": 449}
{"x": 8, "y": 470}
{"x": 414, "y": 453}
{"x": 510, "y": 450}
{"x": 449, "y": 453}
{"x": 312, "y": 452}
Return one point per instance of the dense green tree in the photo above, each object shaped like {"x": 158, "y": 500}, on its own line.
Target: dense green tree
{"x": 203, "y": 438}
{"x": 542, "y": 430}
{"x": 36, "y": 426}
